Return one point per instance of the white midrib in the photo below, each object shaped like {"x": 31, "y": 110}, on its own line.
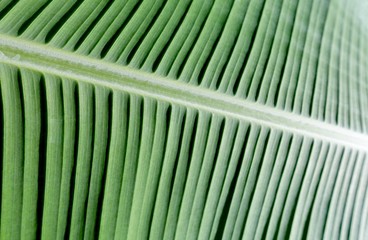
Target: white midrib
{"x": 46, "y": 59}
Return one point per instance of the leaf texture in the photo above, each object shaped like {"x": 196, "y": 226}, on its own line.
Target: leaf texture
{"x": 187, "y": 119}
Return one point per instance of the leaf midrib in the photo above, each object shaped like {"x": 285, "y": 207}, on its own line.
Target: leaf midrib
{"x": 47, "y": 59}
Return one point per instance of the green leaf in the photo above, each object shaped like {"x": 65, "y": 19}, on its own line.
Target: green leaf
{"x": 189, "y": 119}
